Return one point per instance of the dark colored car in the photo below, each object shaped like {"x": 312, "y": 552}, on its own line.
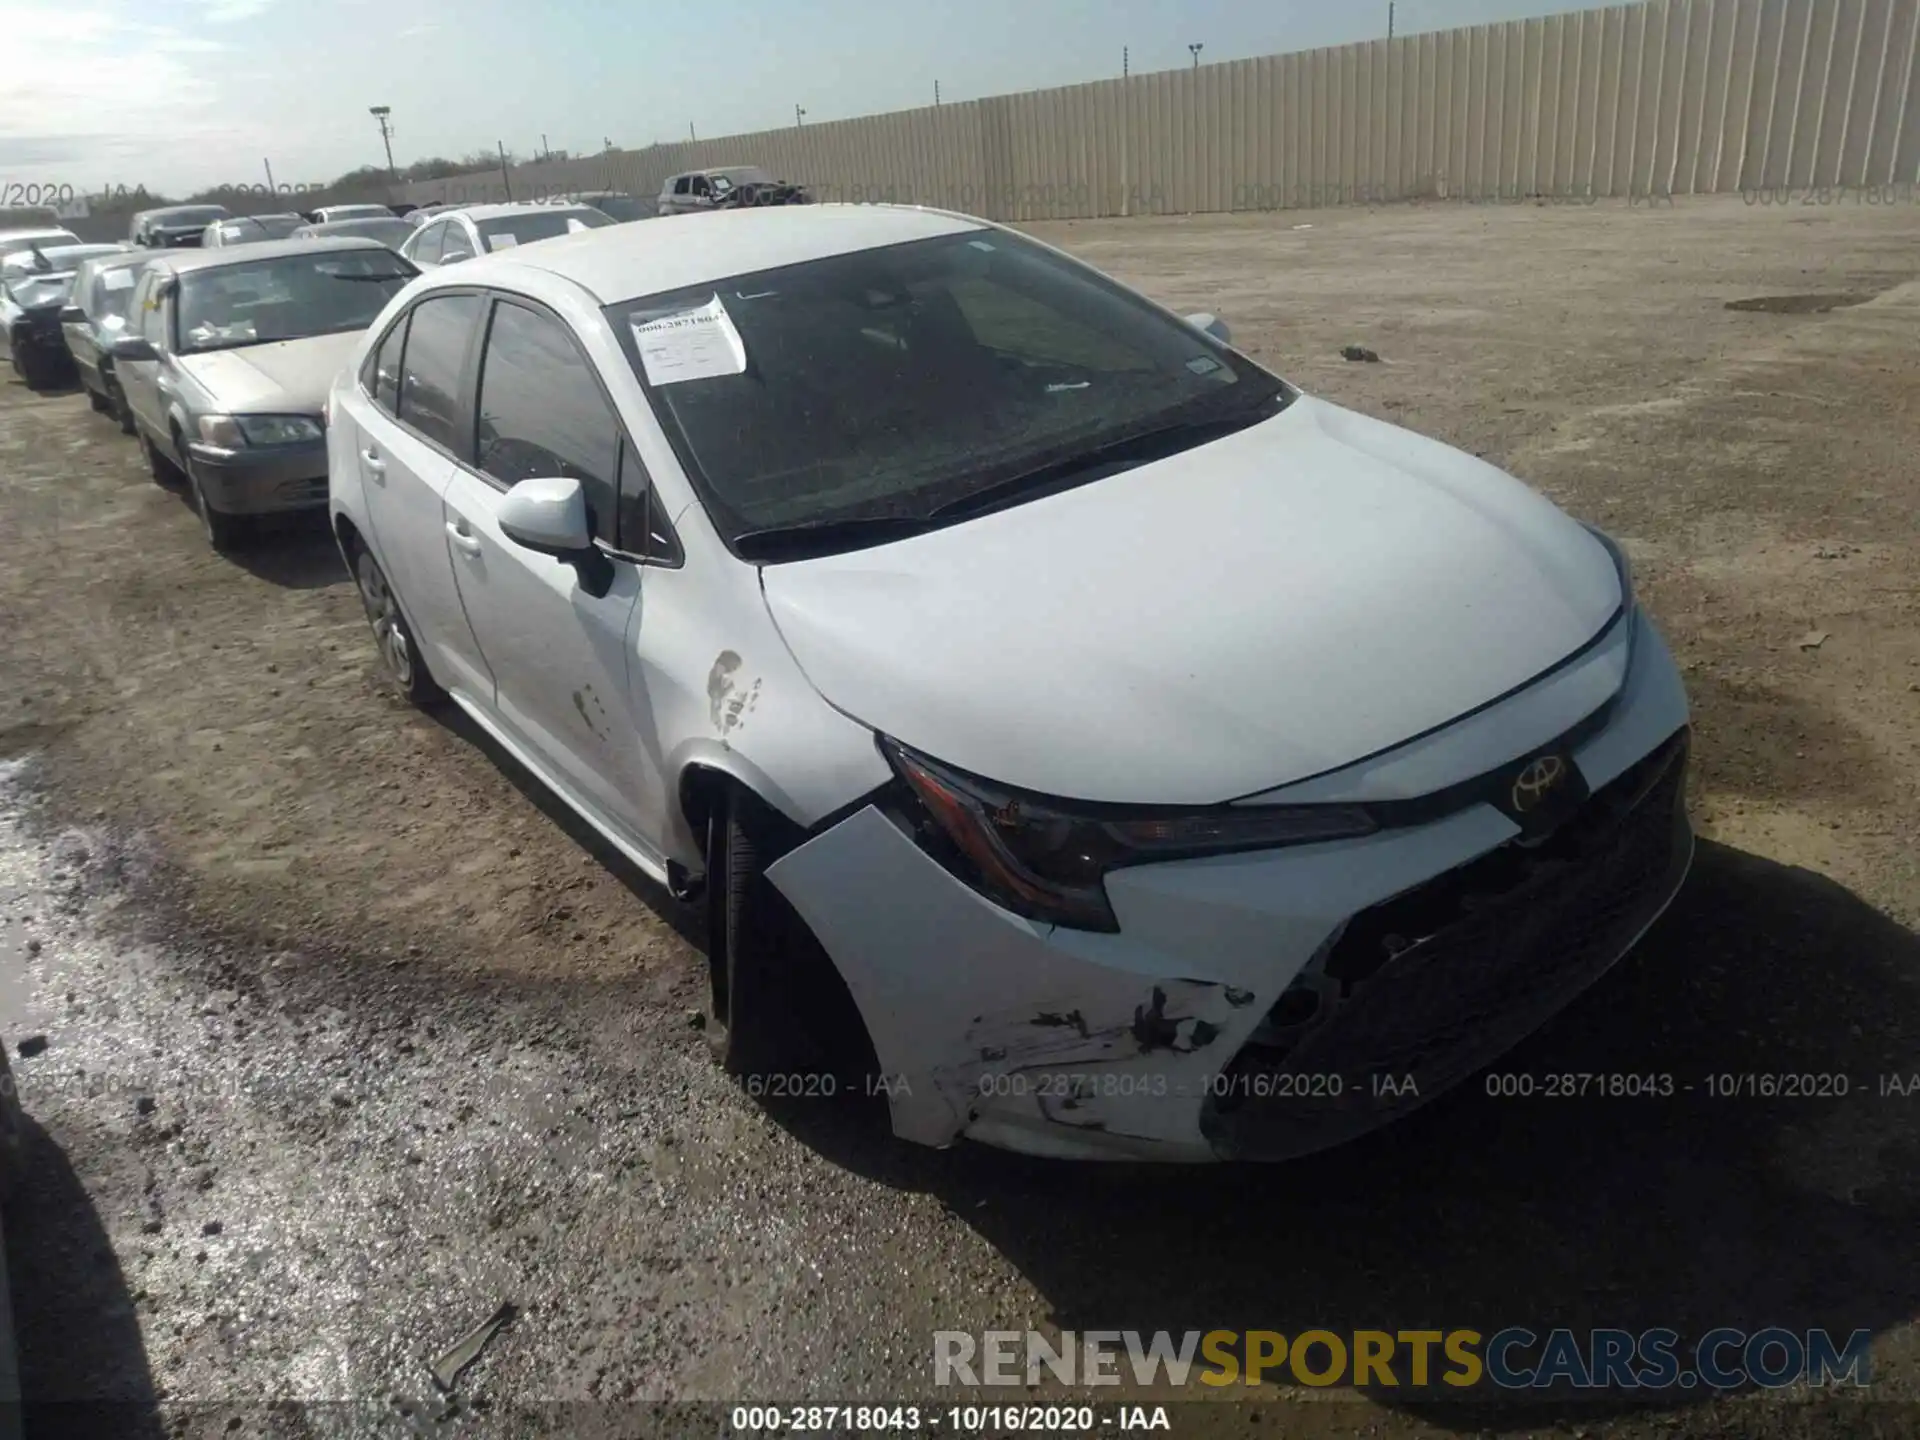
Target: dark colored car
{"x": 95, "y": 316}
{"x": 175, "y": 226}
{"x": 34, "y": 287}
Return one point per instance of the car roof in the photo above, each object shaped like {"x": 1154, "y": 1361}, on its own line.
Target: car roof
{"x": 36, "y": 232}
{"x": 186, "y": 260}
{"x": 273, "y": 215}
{"x": 123, "y": 258}
{"x": 619, "y": 262}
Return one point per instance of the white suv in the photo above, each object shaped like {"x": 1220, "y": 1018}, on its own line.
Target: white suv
{"x": 1154, "y": 758}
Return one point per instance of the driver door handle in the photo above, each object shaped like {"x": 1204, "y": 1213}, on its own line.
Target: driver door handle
{"x": 464, "y": 540}
{"x": 376, "y": 467}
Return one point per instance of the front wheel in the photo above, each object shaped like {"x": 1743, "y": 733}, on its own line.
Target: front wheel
{"x": 749, "y": 925}
{"x": 224, "y": 532}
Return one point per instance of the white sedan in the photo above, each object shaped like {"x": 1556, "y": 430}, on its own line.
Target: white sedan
{"x": 1154, "y": 760}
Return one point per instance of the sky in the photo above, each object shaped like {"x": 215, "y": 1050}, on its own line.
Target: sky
{"x": 179, "y": 95}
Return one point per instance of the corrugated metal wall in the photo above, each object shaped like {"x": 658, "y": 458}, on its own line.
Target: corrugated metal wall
{"x": 1670, "y": 97}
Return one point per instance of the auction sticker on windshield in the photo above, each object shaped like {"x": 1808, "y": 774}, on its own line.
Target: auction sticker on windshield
{"x": 691, "y": 345}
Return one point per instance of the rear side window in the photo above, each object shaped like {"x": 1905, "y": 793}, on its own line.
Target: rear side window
{"x": 682, "y": 184}
{"x": 542, "y": 412}
{"x": 382, "y": 379}
{"x": 436, "y": 353}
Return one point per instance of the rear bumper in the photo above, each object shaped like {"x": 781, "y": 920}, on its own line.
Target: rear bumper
{"x": 269, "y": 480}
{"x": 1428, "y": 950}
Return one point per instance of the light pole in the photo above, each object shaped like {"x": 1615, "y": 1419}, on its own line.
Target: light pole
{"x": 1389, "y": 19}
{"x": 380, "y": 113}
{"x": 1196, "y": 49}
{"x": 799, "y": 116}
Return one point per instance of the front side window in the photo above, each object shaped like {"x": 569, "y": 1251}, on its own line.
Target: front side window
{"x": 889, "y": 384}
{"x": 682, "y": 184}
{"x": 505, "y": 230}
{"x": 542, "y": 412}
{"x": 290, "y": 298}
{"x": 436, "y": 357}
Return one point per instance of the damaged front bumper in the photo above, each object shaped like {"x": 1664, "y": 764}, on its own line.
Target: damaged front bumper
{"x": 1256, "y": 1005}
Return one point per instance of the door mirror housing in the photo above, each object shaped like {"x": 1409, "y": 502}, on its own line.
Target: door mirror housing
{"x": 1212, "y": 325}
{"x": 72, "y": 315}
{"x": 548, "y": 514}
{"x": 455, "y": 257}
{"x": 133, "y": 347}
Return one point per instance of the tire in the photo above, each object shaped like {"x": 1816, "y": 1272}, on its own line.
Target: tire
{"x": 400, "y": 655}
{"x": 225, "y": 533}
{"x": 163, "y": 470}
{"x": 749, "y": 925}
{"x": 99, "y": 403}
{"x": 40, "y": 372}
{"x": 123, "y": 412}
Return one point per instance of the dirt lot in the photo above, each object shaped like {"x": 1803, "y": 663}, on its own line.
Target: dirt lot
{"x": 423, "y": 1047}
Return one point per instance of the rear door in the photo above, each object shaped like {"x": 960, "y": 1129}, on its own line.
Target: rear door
{"x": 556, "y": 641}
{"x": 79, "y": 333}
{"x": 410, "y": 422}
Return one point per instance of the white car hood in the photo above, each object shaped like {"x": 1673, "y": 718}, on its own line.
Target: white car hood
{"x": 1274, "y": 605}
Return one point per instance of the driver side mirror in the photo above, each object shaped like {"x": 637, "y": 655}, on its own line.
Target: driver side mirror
{"x": 1212, "y": 325}
{"x": 73, "y": 315}
{"x": 456, "y": 257}
{"x": 133, "y": 347}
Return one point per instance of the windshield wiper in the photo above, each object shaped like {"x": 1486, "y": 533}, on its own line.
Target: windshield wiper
{"x": 818, "y": 537}
{"x": 1138, "y": 448}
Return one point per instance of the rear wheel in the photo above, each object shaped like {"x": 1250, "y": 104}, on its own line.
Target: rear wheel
{"x": 99, "y": 402}
{"x": 39, "y": 370}
{"x": 399, "y": 655}
{"x": 123, "y": 412}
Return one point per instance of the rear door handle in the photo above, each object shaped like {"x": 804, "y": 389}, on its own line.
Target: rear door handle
{"x": 463, "y": 539}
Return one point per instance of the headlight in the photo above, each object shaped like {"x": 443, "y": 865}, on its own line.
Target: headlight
{"x": 279, "y": 429}
{"x": 221, "y": 430}
{"x": 1047, "y": 859}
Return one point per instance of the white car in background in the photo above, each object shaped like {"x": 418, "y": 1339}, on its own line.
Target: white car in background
{"x": 456, "y": 235}
{"x": 1155, "y": 760}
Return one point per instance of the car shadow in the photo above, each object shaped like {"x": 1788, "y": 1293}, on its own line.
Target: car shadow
{"x": 687, "y": 921}
{"x": 1690, "y": 1213}
{"x": 83, "y": 1364}
{"x": 295, "y": 552}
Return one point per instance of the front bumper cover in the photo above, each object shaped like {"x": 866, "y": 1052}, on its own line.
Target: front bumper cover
{"x": 1182, "y": 1037}
{"x": 264, "y": 480}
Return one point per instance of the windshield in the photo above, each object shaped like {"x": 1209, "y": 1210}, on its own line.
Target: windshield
{"x": 201, "y": 215}
{"x": 622, "y": 207}
{"x": 32, "y": 291}
{"x": 505, "y": 230}
{"x": 259, "y": 227}
{"x": 891, "y": 382}
{"x": 389, "y": 232}
{"x": 288, "y": 298}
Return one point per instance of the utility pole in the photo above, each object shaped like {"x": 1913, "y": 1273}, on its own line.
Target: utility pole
{"x": 690, "y": 134}
{"x": 1126, "y": 62}
{"x": 1389, "y": 19}
{"x": 506, "y": 180}
{"x": 546, "y": 150}
{"x": 380, "y": 113}
{"x": 936, "y": 92}
{"x": 799, "y": 117}
{"x": 1196, "y": 49}
{"x": 270, "y": 188}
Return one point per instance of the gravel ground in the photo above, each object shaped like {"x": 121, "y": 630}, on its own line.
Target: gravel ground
{"x": 352, "y": 1036}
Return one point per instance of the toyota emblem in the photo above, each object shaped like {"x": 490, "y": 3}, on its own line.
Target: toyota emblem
{"x": 1539, "y": 780}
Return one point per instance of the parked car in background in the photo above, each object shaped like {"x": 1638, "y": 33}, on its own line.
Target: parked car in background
{"x": 418, "y": 215}
{"x": 34, "y": 287}
{"x": 726, "y": 187}
{"x": 389, "y": 230}
{"x": 793, "y": 548}
{"x": 249, "y": 229}
{"x": 327, "y": 214}
{"x": 94, "y": 317}
{"x": 175, "y": 226}
{"x": 226, "y": 366}
{"x": 474, "y": 230}
{"x": 25, "y": 238}
{"x": 614, "y": 204}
